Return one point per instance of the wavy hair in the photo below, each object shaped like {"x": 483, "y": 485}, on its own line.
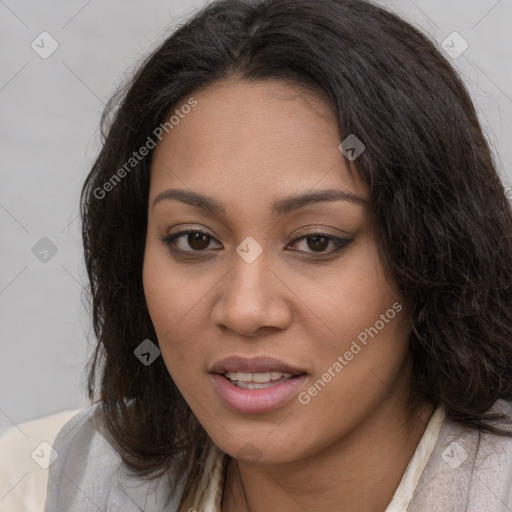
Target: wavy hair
{"x": 442, "y": 222}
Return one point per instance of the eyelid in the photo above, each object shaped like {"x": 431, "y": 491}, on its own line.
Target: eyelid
{"x": 311, "y": 230}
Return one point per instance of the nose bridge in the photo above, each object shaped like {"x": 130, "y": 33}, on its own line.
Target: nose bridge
{"x": 251, "y": 297}
{"x": 250, "y": 268}
{"x": 249, "y": 283}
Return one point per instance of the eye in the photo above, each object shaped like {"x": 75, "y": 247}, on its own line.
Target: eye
{"x": 183, "y": 241}
{"x": 318, "y": 242}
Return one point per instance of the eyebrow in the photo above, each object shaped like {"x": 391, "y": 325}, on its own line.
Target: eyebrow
{"x": 279, "y": 207}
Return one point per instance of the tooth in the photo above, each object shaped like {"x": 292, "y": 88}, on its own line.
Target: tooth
{"x": 257, "y": 377}
{"x": 278, "y": 375}
{"x": 260, "y": 377}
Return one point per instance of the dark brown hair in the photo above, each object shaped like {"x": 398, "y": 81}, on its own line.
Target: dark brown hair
{"x": 442, "y": 222}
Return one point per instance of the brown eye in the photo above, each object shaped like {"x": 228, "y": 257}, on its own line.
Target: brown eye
{"x": 198, "y": 241}
{"x": 318, "y": 243}
{"x": 189, "y": 241}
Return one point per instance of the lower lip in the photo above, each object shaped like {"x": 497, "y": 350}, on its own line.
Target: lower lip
{"x": 254, "y": 401}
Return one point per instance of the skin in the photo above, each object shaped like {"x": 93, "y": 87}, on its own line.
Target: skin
{"x": 247, "y": 145}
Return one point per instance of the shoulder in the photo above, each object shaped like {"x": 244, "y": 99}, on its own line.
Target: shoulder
{"x": 492, "y": 469}
{"x": 468, "y": 470}
{"x": 26, "y": 452}
{"x": 89, "y": 474}
{"x": 86, "y": 464}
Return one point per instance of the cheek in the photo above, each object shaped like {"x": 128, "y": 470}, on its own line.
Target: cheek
{"x": 352, "y": 300}
{"x": 368, "y": 351}
{"x": 356, "y": 369}
{"x": 175, "y": 303}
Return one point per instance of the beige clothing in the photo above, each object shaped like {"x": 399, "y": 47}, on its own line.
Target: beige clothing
{"x": 453, "y": 469}
{"x": 23, "y": 477}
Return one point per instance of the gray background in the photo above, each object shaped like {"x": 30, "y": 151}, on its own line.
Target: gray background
{"x": 49, "y": 115}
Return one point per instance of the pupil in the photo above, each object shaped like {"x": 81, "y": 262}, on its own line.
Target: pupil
{"x": 319, "y": 242}
{"x": 198, "y": 241}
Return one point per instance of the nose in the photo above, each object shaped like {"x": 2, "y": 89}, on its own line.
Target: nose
{"x": 253, "y": 298}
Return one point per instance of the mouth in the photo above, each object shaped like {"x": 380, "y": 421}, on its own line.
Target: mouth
{"x": 257, "y": 385}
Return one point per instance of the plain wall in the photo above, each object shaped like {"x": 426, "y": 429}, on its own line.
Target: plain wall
{"x": 49, "y": 117}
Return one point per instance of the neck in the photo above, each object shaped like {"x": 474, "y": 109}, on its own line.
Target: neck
{"x": 361, "y": 471}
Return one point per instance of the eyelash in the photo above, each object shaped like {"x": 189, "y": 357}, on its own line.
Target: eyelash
{"x": 341, "y": 243}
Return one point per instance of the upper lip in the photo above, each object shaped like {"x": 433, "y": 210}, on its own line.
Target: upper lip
{"x": 254, "y": 365}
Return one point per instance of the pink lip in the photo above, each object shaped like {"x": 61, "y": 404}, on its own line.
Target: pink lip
{"x": 254, "y": 401}
{"x": 261, "y": 364}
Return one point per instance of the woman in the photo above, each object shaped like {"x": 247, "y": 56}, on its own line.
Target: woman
{"x": 300, "y": 261}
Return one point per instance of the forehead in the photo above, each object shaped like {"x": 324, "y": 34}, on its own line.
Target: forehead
{"x": 245, "y": 140}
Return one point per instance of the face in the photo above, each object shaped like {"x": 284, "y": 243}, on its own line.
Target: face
{"x": 266, "y": 292}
